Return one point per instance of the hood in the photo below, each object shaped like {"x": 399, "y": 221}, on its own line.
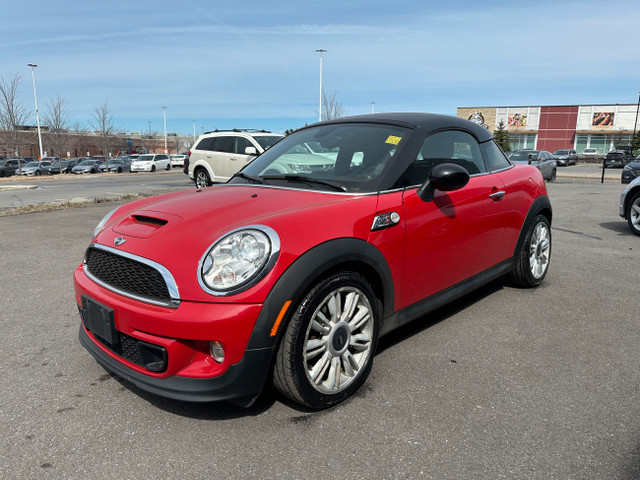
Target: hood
{"x": 176, "y": 230}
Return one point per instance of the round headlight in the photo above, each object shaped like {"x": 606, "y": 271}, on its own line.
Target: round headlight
{"x": 238, "y": 260}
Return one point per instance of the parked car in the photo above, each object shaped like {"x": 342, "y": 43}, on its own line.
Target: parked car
{"x": 34, "y": 169}
{"x": 218, "y": 155}
{"x": 432, "y": 210}
{"x": 58, "y": 165}
{"x": 630, "y": 205}
{"x": 73, "y": 162}
{"x": 590, "y": 152}
{"x": 178, "y": 160}
{"x": 631, "y": 171}
{"x": 541, "y": 159}
{"x": 8, "y": 166}
{"x": 616, "y": 159}
{"x": 119, "y": 165}
{"x": 89, "y": 166}
{"x": 564, "y": 158}
{"x": 151, "y": 162}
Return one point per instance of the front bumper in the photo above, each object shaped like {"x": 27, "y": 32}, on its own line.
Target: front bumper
{"x": 244, "y": 379}
{"x": 144, "y": 168}
{"x": 184, "y": 333}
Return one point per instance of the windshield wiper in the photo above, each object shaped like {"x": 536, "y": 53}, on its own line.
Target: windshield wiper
{"x": 302, "y": 178}
{"x": 251, "y": 178}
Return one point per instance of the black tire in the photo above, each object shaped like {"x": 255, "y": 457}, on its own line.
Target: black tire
{"x": 340, "y": 355}
{"x": 168, "y": 167}
{"x": 532, "y": 261}
{"x": 201, "y": 178}
{"x": 119, "y": 169}
{"x": 553, "y": 175}
{"x": 153, "y": 168}
{"x": 37, "y": 173}
{"x": 633, "y": 213}
{"x": 2, "y": 174}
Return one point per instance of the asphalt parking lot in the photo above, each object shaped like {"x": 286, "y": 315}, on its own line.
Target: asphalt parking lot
{"x": 506, "y": 383}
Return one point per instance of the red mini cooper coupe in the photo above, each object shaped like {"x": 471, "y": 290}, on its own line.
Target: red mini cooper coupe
{"x": 291, "y": 271}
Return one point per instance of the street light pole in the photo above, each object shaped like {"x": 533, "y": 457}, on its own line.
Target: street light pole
{"x": 372, "y": 104}
{"x": 320, "y": 51}
{"x": 35, "y": 97}
{"x": 164, "y": 117}
{"x": 635, "y": 124}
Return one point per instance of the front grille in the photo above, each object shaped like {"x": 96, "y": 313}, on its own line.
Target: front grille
{"x": 126, "y": 275}
{"x": 131, "y": 350}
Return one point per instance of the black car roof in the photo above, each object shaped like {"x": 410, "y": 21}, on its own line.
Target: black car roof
{"x": 430, "y": 122}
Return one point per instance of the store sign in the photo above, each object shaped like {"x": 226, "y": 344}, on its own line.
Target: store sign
{"x": 478, "y": 117}
{"x": 602, "y": 119}
{"x": 517, "y": 120}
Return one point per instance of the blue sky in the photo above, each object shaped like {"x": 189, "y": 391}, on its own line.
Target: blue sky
{"x": 252, "y": 64}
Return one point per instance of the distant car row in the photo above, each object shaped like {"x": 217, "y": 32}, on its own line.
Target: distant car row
{"x": 96, "y": 164}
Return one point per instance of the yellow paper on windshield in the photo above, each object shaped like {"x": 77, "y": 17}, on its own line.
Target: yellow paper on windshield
{"x": 393, "y": 140}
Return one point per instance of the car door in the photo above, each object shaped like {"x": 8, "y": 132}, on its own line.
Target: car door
{"x": 458, "y": 234}
{"x": 224, "y": 149}
{"x": 240, "y": 158}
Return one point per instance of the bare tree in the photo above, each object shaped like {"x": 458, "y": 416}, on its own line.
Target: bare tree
{"x": 331, "y": 106}
{"x": 13, "y": 114}
{"x": 57, "y": 118}
{"x": 102, "y": 123}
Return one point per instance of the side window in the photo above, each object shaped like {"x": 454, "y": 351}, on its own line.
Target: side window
{"x": 451, "y": 146}
{"x": 494, "y": 159}
{"x": 241, "y": 144}
{"x": 224, "y": 144}
{"x": 205, "y": 144}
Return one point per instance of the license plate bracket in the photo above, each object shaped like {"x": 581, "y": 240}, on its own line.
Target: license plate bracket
{"x": 100, "y": 320}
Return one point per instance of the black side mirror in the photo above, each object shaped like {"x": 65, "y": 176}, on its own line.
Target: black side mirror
{"x": 529, "y": 159}
{"x": 445, "y": 177}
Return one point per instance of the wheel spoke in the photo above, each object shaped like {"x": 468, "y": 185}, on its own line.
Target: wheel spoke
{"x": 334, "y": 307}
{"x": 349, "y": 363}
{"x": 315, "y": 347}
{"x": 360, "y": 319}
{"x": 359, "y": 342}
{"x": 334, "y": 374}
{"x": 318, "y": 370}
{"x": 321, "y": 324}
{"x": 350, "y": 303}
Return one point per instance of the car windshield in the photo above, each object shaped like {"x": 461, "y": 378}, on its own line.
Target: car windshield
{"x": 360, "y": 154}
{"x": 266, "y": 141}
{"x": 561, "y": 152}
{"x": 32, "y": 164}
{"x": 523, "y": 156}
{"x": 145, "y": 158}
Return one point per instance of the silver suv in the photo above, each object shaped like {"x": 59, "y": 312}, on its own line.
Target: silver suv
{"x": 218, "y": 155}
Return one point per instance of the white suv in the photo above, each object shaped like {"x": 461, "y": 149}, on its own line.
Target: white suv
{"x": 218, "y": 155}
{"x": 151, "y": 162}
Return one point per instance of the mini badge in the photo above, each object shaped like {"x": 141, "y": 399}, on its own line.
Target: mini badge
{"x": 119, "y": 241}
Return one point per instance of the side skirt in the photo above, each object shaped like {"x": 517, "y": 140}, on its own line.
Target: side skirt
{"x": 418, "y": 309}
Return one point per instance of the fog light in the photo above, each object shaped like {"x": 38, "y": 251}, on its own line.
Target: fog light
{"x": 217, "y": 351}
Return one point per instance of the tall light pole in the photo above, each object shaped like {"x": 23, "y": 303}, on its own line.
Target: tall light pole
{"x": 35, "y": 97}
{"x": 635, "y": 124}
{"x": 320, "y": 51}
{"x": 194, "y": 131}
{"x": 164, "y": 117}
{"x": 372, "y": 104}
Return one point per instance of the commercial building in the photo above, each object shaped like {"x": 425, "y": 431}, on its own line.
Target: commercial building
{"x": 602, "y": 127}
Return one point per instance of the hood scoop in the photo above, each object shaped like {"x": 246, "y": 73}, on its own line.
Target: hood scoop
{"x": 143, "y": 224}
{"x": 150, "y": 220}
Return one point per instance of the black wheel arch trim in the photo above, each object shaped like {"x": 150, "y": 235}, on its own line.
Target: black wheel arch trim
{"x": 305, "y": 271}
{"x": 540, "y": 205}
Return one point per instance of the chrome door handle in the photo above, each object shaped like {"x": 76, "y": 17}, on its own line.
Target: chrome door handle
{"x": 497, "y": 195}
